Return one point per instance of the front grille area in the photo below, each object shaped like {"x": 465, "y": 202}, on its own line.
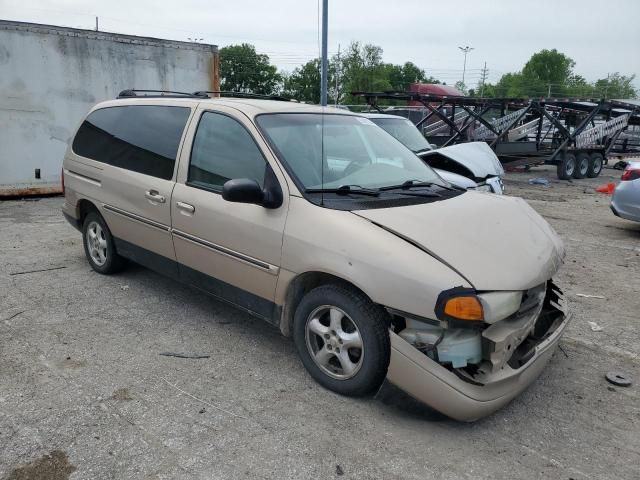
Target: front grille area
{"x": 502, "y": 340}
{"x": 540, "y": 314}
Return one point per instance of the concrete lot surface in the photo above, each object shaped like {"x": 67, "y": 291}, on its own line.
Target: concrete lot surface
{"x": 85, "y": 393}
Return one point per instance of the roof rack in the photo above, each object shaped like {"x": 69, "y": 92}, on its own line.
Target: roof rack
{"x": 230, "y": 94}
{"x": 129, "y": 93}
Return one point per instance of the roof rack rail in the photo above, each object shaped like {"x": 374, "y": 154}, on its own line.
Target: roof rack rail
{"x": 129, "y": 93}
{"x": 230, "y": 94}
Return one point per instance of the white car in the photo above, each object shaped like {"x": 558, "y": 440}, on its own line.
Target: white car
{"x": 470, "y": 165}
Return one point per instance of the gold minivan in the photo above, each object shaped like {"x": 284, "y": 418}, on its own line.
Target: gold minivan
{"x": 321, "y": 223}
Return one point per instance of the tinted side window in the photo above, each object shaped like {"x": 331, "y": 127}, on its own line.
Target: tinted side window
{"x": 142, "y": 138}
{"x": 222, "y": 150}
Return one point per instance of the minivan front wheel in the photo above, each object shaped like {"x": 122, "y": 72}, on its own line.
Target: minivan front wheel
{"x": 99, "y": 246}
{"x": 343, "y": 340}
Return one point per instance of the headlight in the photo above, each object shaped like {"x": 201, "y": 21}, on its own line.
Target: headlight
{"x": 464, "y": 308}
{"x": 465, "y": 305}
{"x": 459, "y": 304}
{"x": 499, "y": 305}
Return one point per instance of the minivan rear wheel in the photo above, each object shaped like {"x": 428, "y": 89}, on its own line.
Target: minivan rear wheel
{"x": 99, "y": 246}
{"x": 342, "y": 339}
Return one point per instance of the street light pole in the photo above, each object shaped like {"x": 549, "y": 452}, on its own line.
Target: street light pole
{"x": 465, "y": 50}
{"x": 324, "y": 60}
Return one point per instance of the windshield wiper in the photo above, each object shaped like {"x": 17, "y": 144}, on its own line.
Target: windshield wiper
{"x": 416, "y": 183}
{"x": 423, "y": 150}
{"x": 345, "y": 190}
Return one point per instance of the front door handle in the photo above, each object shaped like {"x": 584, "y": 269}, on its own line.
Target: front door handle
{"x": 186, "y": 207}
{"x": 154, "y": 196}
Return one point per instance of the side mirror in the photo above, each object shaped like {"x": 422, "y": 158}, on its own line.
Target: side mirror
{"x": 243, "y": 190}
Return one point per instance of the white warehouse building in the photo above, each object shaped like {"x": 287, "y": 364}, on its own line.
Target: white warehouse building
{"x": 51, "y": 76}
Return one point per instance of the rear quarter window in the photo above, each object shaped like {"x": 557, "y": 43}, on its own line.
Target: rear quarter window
{"x": 140, "y": 138}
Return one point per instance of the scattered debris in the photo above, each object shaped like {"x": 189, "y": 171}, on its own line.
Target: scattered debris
{"x": 584, "y": 295}
{"x": 538, "y": 181}
{"x": 621, "y": 165}
{"x": 595, "y": 327}
{"x": 203, "y": 401}
{"x": 124, "y": 287}
{"x": 54, "y": 466}
{"x": 339, "y": 470}
{"x": 14, "y": 315}
{"x": 618, "y": 378}
{"x": 202, "y": 410}
{"x": 122, "y": 394}
{"x": 182, "y": 355}
{"x": 36, "y": 271}
{"x": 562, "y": 350}
{"x": 611, "y": 389}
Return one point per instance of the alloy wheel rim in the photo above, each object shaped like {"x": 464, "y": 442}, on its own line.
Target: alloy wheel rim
{"x": 334, "y": 342}
{"x": 96, "y": 243}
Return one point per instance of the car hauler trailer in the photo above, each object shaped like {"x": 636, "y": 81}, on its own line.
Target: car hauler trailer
{"x": 576, "y": 135}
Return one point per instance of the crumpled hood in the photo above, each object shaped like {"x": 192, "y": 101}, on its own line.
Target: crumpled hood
{"x": 478, "y": 157}
{"x": 495, "y": 242}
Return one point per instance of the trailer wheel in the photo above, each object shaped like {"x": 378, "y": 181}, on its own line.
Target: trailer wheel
{"x": 582, "y": 165}
{"x": 566, "y": 167}
{"x": 595, "y": 165}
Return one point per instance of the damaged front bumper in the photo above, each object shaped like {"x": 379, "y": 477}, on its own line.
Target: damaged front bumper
{"x": 468, "y": 396}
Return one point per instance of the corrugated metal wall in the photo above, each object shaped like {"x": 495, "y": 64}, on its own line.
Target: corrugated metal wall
{"x": 51, "y": 76}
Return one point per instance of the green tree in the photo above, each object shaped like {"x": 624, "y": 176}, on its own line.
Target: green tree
{"x": 577, "y": 86}
{"x": 460, "y": 85}
{"x": 547, "y": 70}
{"x": 402, "y": 76}
{"x": 615, "y": 86}
{"x": 303, "y": 83}
{"x": 242, "y": 69}
{"x": 511, "y": 85}
{"x": 362, "y": 69}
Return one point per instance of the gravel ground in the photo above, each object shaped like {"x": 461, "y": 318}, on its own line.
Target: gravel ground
{"x": 84, "y": 393}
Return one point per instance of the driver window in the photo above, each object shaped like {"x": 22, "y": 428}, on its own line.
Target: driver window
{"x": 223, "y": 150}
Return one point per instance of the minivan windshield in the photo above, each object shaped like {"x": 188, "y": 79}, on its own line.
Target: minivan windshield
{"x": 405, "y": 132}
{"x": 329, "y": 151}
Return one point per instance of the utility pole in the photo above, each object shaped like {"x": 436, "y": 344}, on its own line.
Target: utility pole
{"x": 96, "y": 23}
{"x": 549, "y": 91}
{"x": 483, "y": 78}
{"x": 337, "y": 74}
{"x": 465, "y": 50}
{"x": 323, "y": 60}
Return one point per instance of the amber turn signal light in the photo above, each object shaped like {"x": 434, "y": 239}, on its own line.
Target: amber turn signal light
{"x": 464, "y": 308}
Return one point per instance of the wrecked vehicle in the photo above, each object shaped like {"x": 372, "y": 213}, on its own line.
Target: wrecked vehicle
{"x": 458, "y": 164}
{"x": 322, "y": 224}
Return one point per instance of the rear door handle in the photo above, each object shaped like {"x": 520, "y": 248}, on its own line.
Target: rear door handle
{"x": 154, "y": 196}
{"x": 186, "y": 207}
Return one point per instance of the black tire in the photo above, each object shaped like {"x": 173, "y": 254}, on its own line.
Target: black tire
{"x": 596, "y": 161}
{"x": 582, "y": 165}
{"x": 113, "y": 262}
{"x": 566, "y": 167}
{"x": 372, "y": 324}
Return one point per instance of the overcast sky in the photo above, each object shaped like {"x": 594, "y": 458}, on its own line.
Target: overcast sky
{"x": 601, "y": 36}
